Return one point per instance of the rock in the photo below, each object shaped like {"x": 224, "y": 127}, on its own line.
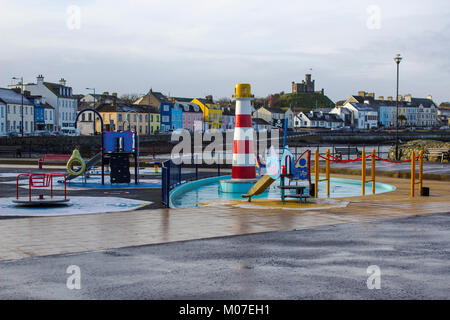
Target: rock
{"x": 417, "y": 145}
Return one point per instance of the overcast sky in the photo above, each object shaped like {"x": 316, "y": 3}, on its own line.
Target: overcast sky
{"x": 194, "y": 48}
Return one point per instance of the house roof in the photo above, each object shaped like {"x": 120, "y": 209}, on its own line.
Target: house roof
{"x": 321, "y": 116}
{"x": 189, "y": 107}
{"x": 259, "y": 121}
{"x": 54, "y": 87}
{"x": 159, "y": 96}
{"x": 122, "y": 107}
{"x": 362, "y": 106}
{"x": 11, "y": 96}
{"x": 180, "y": 99}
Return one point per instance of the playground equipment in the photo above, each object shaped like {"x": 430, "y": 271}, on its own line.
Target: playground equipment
{"x": 117, "y": 147}
{"x": 287, "y": 168}
{"x": 40, "y": 180}
{"x": 260, "y": 186}
{"x": 76, "y": 158}
{"x": 329, "y": 158}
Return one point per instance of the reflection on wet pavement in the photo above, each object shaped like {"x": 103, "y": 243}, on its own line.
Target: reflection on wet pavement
{"x": 20, "y": 238}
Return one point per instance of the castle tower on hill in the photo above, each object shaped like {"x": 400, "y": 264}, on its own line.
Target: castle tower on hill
{"x": 306, "y": 85}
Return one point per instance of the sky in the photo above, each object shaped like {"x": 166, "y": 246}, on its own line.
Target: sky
{"x": 195, "y": 48}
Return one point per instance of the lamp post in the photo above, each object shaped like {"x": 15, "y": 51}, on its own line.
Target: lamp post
{"x": 21, "y": 82}
{"x": 93, "y": 106}
{"x": 397, "y": 60}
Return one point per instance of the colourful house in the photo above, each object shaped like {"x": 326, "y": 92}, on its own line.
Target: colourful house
{"x": 212, "y": 113}
{"x": 192, "y": 116}
{"x": 176, "y": 113}
{"x": 166, "y": 116}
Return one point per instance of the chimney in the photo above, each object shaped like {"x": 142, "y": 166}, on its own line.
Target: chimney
{"x": 408, "y": 97}
{"x": 27, "y": 93}
{"x": 114, "y": 94}
{"x": 106, "y": 93}
{"x": 400, "y": 97}
{"x": 371, "y": 94}
{"x": 361, "y": 93}
{"x": 389, "y": 98}
{"x": 429, "y": 97}
{"x": 381, "y": 98}
{"x": 209, "y": 98}
{"x": 62, "y": 82}
{"x": 40, "y": 79}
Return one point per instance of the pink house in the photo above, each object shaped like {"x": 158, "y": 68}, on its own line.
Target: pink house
{"x": 192, "y": 116}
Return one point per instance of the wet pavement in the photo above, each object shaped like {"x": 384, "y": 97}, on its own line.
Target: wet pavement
{"x": 30, "y": 237}
{"x": 326, "y": 262}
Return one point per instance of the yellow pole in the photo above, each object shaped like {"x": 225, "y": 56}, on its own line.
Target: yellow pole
{"x": 372, "y": 169}
{"x": 363, "y": 172}
{"x": 316, "y": 173}
{"x": 327, "y": 172}
{"x": 413, "y": 172}
{"x": 420, "y": 170}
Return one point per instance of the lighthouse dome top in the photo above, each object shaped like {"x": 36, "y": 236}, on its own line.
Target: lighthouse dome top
{"x": 242, "y": 90}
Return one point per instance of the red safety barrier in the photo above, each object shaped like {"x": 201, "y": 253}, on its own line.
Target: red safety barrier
{"x": 334, "y": 159}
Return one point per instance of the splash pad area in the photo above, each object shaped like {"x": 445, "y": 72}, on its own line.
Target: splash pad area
{"x": 206, "y": 191}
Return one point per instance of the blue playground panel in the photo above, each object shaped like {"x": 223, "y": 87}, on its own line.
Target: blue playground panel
{"x": 110, "y": 140}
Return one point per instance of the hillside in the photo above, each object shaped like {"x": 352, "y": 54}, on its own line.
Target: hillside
{"x": 305, "y": 101}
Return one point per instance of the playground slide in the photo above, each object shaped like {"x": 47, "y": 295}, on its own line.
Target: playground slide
{"x": 89, "y": 164}
{"x": 259, "y": 187}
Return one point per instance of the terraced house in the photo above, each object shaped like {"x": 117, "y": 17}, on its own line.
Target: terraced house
{"x": 12, "y": 102}
{"x": 121, "y": 117}
{"x": 61, "y": 98}
{"x": 212, "y": 112}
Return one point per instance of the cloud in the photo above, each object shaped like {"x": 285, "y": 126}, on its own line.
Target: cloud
{"x": 196, "y": 47}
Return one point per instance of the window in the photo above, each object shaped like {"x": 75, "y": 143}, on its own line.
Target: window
{"x": 151, "y": 118}
{"x": 166, "y": 107}
{"x": 140, "y": 118}
{"x": 134, "y": 117}
{"x": 119, "y": 117}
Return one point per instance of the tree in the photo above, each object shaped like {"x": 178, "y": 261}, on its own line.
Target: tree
{"x": 224, "y": 102}
{"x": 402, "y": 119}
{"x": 129, "y": 98}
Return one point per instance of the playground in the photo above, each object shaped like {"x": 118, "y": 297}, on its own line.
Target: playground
{"x": 116, "y": 205}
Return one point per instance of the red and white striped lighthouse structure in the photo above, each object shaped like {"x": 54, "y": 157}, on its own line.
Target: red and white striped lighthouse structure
{"x": 243, "y": 175}
{"x": 243, "y": 149}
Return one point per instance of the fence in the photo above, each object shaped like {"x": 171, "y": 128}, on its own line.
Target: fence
{"x": 175, "y": 174}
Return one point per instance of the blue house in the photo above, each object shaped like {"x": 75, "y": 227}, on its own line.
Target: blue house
{"x": 43, "y": 113}
{"x": 177, "y": 117}
{"x": 166, "y": 116}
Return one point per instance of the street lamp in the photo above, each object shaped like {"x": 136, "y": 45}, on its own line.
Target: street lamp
{"x": 397, "y": 60}
{"x": 94, "y": 108}
{"x": 21, "y": 82}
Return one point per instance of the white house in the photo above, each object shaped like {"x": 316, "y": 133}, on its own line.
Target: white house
{"x": 274, "y": 116}
{"x": 318, "y": 119}
{"x": 13, "y": 114}
{"x": 60, "y": 97}
{"x": 363, "y": 115}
